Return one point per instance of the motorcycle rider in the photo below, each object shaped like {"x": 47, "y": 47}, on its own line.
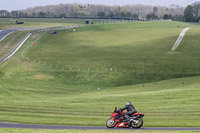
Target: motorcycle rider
{"x": 130, "y": 110}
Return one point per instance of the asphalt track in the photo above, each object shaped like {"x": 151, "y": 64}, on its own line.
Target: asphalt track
{"x": 16, "y": 48}
{"x": 4, "y": 33}
{"x": 33, "y": 126}
{"x": 180, "y": 38}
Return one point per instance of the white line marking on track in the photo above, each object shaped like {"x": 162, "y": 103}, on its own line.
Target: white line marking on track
{"x": 6, "y": 35}
{"x": 16, "y": 48}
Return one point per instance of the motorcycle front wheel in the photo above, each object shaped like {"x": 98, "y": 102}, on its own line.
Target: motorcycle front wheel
{"x": 137, "y": 123}
{"x": 110, "y": 123}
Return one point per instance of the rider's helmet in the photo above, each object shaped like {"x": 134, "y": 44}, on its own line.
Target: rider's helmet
{"x": 127, "y": 103}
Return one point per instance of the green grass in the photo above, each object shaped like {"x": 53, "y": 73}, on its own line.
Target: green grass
{"x": 55, "y": 81}
{"x": 82, "y": 131}
{"x": 118, "y": 54}
{"x": 166, "y": 103}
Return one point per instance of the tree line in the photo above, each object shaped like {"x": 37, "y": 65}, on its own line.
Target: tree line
{"x": 137, "y": 11}
{"x": 192, "y": 12}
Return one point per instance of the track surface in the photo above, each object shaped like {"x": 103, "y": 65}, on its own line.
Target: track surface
{"x": 31, "y": 126}
{"x": 4, "y": 33}
{"x": 16, "y": 48}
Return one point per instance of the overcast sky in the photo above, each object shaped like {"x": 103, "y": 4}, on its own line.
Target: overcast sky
{"x": 23, "y": 4}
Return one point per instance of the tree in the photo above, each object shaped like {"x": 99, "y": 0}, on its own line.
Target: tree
{"x": 196, "y": 8}
{"x": 62, "y": 15}
{"x": 14, "y": 14}
{"x": 41, "y": 14}
{"x": 110, "y": 14}
{"x": 33, "y": 14}
{"x": 167, "y": 16}
{"x": 101, "y": 14}
{"x": 4, "y": 13}
{"x": 123, "y": 14}
{"x": 151, "y": 16}
{"x": 188, "y": 14}
{"x": 21, "y": 14}
{"x": 82, "y": 14}
{"x": 155, "y": 10}
{"x": 135, "y": 16}
{"x": 85, "y": 10}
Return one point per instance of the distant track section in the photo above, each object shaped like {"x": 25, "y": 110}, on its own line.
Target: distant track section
{"x": 178, "y": 41}
{"x": 34, "y": 126}
{"x": 6, "y": 32}
{"x": 16, "y": 48}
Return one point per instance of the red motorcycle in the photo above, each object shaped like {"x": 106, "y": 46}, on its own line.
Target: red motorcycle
{"x": 117, "y": 119}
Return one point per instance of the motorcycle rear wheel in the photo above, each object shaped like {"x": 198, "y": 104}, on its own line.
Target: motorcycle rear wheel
{"x": 138, "y": 124}
{"x": 110, "y": 123}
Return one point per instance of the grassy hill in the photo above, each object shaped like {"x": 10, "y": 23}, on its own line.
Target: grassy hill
{"x": 115, "y": 54}
{"x": 56, "y": 80}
